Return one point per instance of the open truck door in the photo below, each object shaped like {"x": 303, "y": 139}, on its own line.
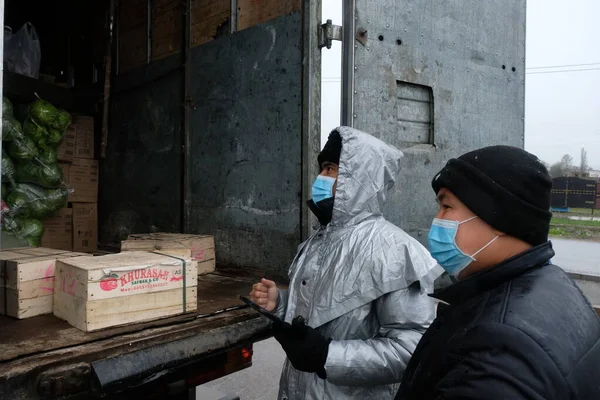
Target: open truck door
{"x": 207, "y": 121}
{"x": 435, "y": 79}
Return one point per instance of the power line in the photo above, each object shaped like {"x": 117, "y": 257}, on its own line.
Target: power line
{"x": 561, "y": 71}
{"x": 564, "y": 66}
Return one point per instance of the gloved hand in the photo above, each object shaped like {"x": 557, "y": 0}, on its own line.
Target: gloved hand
{"x": 305, "y": 347}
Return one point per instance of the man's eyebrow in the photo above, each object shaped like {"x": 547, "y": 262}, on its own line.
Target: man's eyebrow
{"x": 441, "y": 197}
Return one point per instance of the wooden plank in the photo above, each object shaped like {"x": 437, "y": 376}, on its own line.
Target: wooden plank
{"x": 166, "y": 46}
{"x": 32, "y": 268}
{"x": 206, "y": 267}
{"x": 132, "y": 14}
{"x": 167, "y": 22}
{"x": 122, "y": 274}
{"x": 202, "y": 246}
{"x": 99, "y": 314}
{"x": 597, "y": 308}
{"x": 132, "y": 48}
{"x": 162, "y": 6}
{"x": 36, "y": 288}
{"x": 204, "y": 10}
{"x": 207, "y": 16}
{"x": 27, "y": 308}
{"x": 254, "y": 12}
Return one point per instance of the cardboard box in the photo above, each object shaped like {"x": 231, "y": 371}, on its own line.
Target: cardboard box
{"x": 97, "y": 292}
{"x": 199, "y": 248}
{"x": 85, "y": 227}
{"x": 58, "y": 230}
{"x": 29, "y": 280}
{"x": 66, "y": 150}
{"x": 65, "y": 171}
{"x": 84, "y": 143}
{"x": 83, "y": 178}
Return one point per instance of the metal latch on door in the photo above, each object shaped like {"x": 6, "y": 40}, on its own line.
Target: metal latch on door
{"x": 328, "y": 33}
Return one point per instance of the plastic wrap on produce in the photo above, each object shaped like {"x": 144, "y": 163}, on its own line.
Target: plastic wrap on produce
{"x": 33, "y": 186}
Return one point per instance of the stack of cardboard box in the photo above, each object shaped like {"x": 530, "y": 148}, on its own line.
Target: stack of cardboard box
{"x": 75, "y": 228}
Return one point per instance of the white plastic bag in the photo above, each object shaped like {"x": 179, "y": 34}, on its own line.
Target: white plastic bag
{"x": 22, "y": 52}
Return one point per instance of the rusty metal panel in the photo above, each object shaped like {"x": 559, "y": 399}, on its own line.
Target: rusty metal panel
{"x": 467, "y": 59}
{"x": 246, "y": 144}
{"x": 141, "y": 174}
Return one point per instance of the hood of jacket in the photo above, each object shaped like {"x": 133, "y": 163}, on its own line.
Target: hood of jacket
{"x": 367, "y": 171}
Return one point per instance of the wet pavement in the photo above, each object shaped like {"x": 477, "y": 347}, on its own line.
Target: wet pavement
{"x": 259, "y": 382}
{"x": 579, "y": 256}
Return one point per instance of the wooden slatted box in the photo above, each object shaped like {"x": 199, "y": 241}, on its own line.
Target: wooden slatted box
{"x": 200, "y": 248}
{"x": 29, "y": 280}
{"x": 94, "y": 293}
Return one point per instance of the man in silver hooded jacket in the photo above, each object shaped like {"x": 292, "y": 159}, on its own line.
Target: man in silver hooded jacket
{"x": 359, "y": 282}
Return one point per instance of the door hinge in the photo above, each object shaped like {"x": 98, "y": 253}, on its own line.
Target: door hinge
{"x": 328, "y": 33}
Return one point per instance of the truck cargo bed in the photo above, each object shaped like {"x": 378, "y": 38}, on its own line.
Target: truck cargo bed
{"x": 46, "y": 342}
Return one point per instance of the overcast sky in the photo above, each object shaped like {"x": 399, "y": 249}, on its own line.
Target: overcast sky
{"x": 562, "y": 111}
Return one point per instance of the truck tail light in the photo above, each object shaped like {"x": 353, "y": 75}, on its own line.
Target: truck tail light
{"x": 237, "y": 360}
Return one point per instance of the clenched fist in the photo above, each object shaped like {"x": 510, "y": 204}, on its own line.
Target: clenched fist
{"x": 265, "y": 294}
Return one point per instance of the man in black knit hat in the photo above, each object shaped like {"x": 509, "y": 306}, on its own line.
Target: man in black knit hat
{"x": 513, "y": 325}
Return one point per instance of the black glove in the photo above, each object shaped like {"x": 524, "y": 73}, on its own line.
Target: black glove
{"x": 305, "y": 347}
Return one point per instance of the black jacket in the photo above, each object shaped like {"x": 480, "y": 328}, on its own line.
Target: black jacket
{"x": 521, "y": 330}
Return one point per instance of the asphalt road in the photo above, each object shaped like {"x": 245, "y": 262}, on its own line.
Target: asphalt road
{"x": 579, "y": 256}
{"x": 259, "y": 382}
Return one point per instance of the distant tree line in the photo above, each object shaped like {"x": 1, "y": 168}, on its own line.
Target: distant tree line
{"x": 565, "y": 167}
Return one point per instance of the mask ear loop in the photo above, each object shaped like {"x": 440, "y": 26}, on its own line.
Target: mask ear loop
{"x": 467, "y": 220}
{"x": 485, "y": 247}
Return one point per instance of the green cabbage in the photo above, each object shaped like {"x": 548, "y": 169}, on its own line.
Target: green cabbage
{"x": 48, "y": 156}
{"x": 7, "y": 107}
{"x": 35, "y": 132}
{"x": 30, "y": 229}
{"x": 55, "y": 136}
{"x": 18, "y": 203}
{"x": 22, "y": 149}
{"x": 33, "y": 201}
{"x": 62, "y": 121}
{"x": 43, "y": 113}
{"x": 8, "y": 168}
{"x": 11, "y": 128}
{"x": 45, "y": 175}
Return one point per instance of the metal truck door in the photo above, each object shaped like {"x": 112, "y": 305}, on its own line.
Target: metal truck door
{"x": 435, "y": 79}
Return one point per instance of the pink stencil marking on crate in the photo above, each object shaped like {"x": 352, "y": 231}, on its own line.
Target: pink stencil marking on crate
{"x": 49, "y": 274}
{"x": 198, "y": 255}
{"x": 70, "y": 288}
{"x": 176, "y": 278}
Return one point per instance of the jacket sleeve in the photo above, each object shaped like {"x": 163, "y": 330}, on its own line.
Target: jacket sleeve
{"x": 403, "y": 316}
{"x": 501, "y": 362}
{"x": 282, "y": 301}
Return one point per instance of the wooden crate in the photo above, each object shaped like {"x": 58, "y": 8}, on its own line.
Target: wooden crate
{"x": 97, "y": 292}
{"x": 29, "y": 280}
{"x": 199, "y": 248}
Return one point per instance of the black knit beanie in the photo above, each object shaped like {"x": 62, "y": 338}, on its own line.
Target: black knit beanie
{"x": 505, "y": 186}
{"x": 331, "y": 151}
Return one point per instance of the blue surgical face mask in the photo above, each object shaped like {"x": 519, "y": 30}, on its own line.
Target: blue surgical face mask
{"x": 322, "y": 188}
{"x": 443, "y": 247}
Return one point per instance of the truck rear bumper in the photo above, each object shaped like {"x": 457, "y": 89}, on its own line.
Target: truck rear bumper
{"x": 132, "y": 360}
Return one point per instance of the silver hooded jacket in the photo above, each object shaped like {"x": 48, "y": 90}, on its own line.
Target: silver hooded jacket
{"x": 361, "y": 281}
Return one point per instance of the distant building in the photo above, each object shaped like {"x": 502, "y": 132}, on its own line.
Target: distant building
{"x": 594, "y": 174}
